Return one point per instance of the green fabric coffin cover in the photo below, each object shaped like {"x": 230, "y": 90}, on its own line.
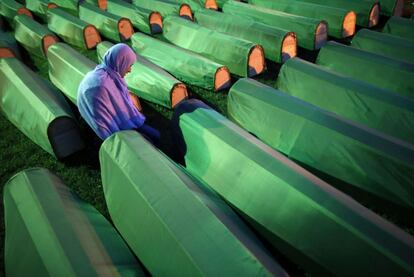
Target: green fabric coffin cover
{"x": 139, "y": 17}
{"x": 303, "y": 217}
{"x": 392, "y": 7}
{"x": 362, "y": 157}
{"x": 304, "y": 27}
{"x": 50, "y": 231}
{"x": 8, "y": 45}
{"x": 70, "y": 28}
{"x": 384, "y": 44}
{"x": 355, "y": 100}
{"x": 70, "y": 6}
{"x": 106, "y": 23}
{"x": 185, "y": 65}
{"x": 221, "y": 48}
{"x": 37, "y": 109}
{"x": 165, "y": 7}
{"x": 38, "y": 7}
{"x": 387, "y": 73}
{"x": 399, "y": 26}
{"x": 174, "y": 224}
{"x": 67, "y": 68}
{"x": 33, "y": 36}
{"x": 333, "y": 16}
{"x": 10, "y": 8}
{"x": 363, "y": 9}
{"x": 148, "y": 80}
{"x": 270, "y": 38}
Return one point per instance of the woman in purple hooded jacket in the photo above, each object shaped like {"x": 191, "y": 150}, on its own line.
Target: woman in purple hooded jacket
{"x": 103, "y": 97}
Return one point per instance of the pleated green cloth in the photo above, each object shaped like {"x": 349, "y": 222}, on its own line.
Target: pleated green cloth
{"x": 70, "y": 6}
{"x": 304, "y": 27}
{"x": 362, "y": 8}
{"x": 164, "y": 7}
{"x": 139, "y": 17}
{"x": 310, "y": 222}
{"x": 399, "y": 26}
{"x": 384, "y": 44}
{"x": 31, "y": 35}
{"x": 387, "y": 73}
{"x": 50, "y": 231}
{"x": 216, "y": 46}
{"x": 106, "y": 23}
{"x": 38, "y": 7}
{"x": 173, "y": 223}
{"x": 147, "y": 80}
{"x": 184, "y": 65}
{"x": 68, "y": 27}
{"x": 270, "y": 38}
{"x": 37, "y": 109}
{"x": 335, "y": 17}
{"x": 355, "y": 100}
{"x": 67, "y": 68}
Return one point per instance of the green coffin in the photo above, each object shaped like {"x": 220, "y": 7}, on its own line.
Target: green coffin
{"x": 145, "y": 20}
{"x": 384, "y": 44}
{"x": 50, "y": 231}
{"x": 70, "y": 6}
{"x": 164, "y": 7}
{"x": 67, "y": 68}
{"x": 150, "y": 82}
{"x": 351, "y": 152}
{"x": 111, "y": 26}
{"x": 34, "y": 37}
{"x": 72, "y": 29}
{"x": 278, "y": 44}
{"x": 237, "y": 54}
{"x": 391, "y": 74}
{"x": 311, "y": 33}
{"x": 8, "y": 46}
{"x": 367, "y": 11}
{"x": 10, "y": 8}
{"x": 355, "y": 100}
{"x": 173, "y": 223}
{"x": 399, "y": 26}
{"x": 310, "y": 222}
{"x": 37, "y": 109}
{"x": 38, "y": 7}
{"x": 335, "y": 17}
{"x": 184, "y": 65}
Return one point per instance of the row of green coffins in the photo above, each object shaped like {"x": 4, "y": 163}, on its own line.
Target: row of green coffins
{"x": 242, "y": 57}
{"x": 278, "y": 44}
{"x": 50, "y": 231}
{"x": 352, "y": 99}
{"x": 311, "y": 33}
{"x": 399, "y": 26}
{"x": 313, "y": 224}
{"x": 349, "y": 151}
{"x": 37, "y": 109}
{"x": 385, "y": 44}
{"x": 174, "y": 223}
{"x": 10, "y": 8}
{"x": 367, "y": 11}
{"x": 184, "y": 65}
{"x": 67, "y": 68}
{"x": 341, "y": 22}
{"x": 394, "y": 75}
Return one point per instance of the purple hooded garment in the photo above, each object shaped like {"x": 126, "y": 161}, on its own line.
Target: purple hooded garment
{"x": 103, "y": 99}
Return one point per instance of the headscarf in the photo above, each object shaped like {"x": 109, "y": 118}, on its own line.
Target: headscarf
{"x": 103, "y": 97}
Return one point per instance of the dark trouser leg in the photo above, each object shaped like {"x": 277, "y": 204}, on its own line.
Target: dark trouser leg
{"x": 153, "y": 134}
